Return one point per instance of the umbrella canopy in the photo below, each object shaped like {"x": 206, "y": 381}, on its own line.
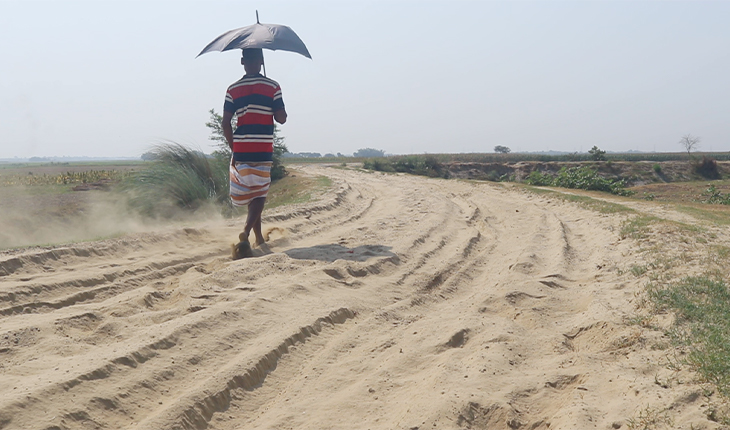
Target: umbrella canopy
{"x": 266, "y": 36}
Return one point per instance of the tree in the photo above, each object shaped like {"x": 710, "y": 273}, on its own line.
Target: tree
{"x": 215, "y": 124}
{"x": 689, "y": 143}
{"x": 148, "y": 156}
{"x": 502, "y": 149}
{"x": 369, "y": 153}
{"x": 597, "y": 154}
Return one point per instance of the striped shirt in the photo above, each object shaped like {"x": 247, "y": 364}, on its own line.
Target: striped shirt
{"x": 253, "y": 100}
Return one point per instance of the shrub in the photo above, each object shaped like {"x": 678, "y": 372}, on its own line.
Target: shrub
{"x": 657, "y": 168}
{"x": 539, "y": 179}
{"x": 413, "y": 164}
{"x": 583, "y": 178}
{"x": 707, "y": 168}
{"x": 278, "y": 170}
{"x": 380, "y": 165}
{"x": 715, "y": 196}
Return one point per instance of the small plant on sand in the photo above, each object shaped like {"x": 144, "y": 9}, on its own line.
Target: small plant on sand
{"x": 638, "y": 270}
{"x": 649, "y": 418}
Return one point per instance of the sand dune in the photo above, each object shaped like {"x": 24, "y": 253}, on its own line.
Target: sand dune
{"x": 395, "y": 302}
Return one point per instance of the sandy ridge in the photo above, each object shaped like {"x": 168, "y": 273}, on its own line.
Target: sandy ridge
{"x": 393, "y": 302}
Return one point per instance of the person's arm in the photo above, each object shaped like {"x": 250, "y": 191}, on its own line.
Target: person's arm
{"x": 280, "y": 116}
{"x": 227, "y": 128}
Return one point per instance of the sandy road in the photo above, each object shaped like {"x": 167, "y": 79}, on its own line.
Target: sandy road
{"x": 396, "y": 302}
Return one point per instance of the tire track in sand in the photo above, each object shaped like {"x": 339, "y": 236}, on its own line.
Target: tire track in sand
{"x": 396, "y": 302}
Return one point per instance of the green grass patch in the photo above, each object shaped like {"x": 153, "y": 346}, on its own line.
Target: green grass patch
{"x": 585, "y": 201}
{"x": 638, "y": 270}
{"x": 702, "y": 309}
{"x": 638, "y": 227}
{"x": 598, "y": 205}
{"x": 713, "y": 214}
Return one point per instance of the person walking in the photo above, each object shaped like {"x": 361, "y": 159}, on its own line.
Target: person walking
{"x": 256, "y": 102}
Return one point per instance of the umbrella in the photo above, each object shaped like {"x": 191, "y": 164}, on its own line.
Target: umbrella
{"x": 266, "y": 36}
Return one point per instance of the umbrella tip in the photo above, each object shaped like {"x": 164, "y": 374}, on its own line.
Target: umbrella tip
{"x": 257, "y": 17}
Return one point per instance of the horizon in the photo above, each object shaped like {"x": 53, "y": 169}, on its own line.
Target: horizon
{"x": 71, "y": 158}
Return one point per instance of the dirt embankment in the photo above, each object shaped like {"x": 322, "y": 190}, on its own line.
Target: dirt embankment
{"x": 634, "y": 172}
{"x": 398, "y": 302}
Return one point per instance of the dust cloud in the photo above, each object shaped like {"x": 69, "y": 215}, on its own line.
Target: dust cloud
{"x": 28, "y": 219}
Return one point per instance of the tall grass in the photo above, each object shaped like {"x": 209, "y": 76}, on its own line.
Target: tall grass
{"x": 179, "y": 178}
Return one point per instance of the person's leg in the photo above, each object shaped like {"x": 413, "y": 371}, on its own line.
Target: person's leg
{"x": 257, "y": 232}
{"x": 253, "y": 220}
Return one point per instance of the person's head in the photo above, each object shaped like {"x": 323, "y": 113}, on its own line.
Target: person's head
{"x": 252, "y": 60}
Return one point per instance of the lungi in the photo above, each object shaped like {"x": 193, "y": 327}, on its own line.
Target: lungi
{"x": 249, "y": 180}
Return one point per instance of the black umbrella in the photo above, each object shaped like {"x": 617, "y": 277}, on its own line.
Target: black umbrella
{"x": 266, "y": 36}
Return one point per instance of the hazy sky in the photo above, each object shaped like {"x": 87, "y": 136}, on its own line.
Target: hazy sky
{"x": 111, "y": 78}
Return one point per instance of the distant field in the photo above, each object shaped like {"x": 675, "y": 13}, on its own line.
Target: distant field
{"x": 38, "y": 169}
{"x": 515, "y": 157}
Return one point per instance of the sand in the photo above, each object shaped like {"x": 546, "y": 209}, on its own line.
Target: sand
{"x": 394, "y": 302}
